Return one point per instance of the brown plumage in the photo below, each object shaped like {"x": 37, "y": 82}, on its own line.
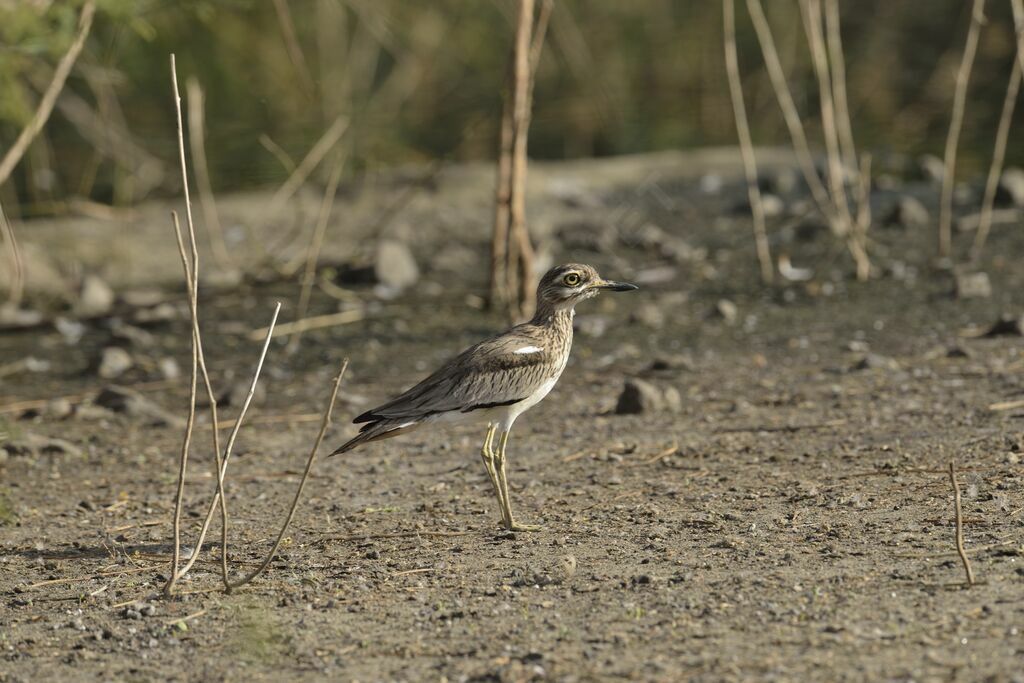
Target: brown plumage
{"x": 499, "y": 378}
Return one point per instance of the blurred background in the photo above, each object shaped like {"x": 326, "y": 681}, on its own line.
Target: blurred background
{"x": 423, "y": 81}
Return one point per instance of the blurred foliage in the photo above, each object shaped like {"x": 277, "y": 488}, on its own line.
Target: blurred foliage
{"x": 423, "y": 81}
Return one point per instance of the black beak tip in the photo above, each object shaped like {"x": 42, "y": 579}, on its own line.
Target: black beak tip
{"x": 622, "y": 287}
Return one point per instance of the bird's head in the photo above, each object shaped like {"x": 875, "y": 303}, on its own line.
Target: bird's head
{"x": 566, "y": 285}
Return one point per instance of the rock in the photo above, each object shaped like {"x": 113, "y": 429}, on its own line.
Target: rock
{"x": 95, "y": 298}
{"x": 639, "y": 397}
{"x": 784, "y": 181}
{"x": 34, "y": 445}
{"x": 710, "y": 183}
{"x": 168, "y": 368}
{"x": 131, "y": 403}
{"x": 1007, "y": 326}
{"x": 909, "y": 212}
{"x": 648, "y": 315}
{"x": 932, "y": 168}
{"x": 160, "y": 313}
{"x": 394, "y": 265}
{"x": 71, "y": 330}
{"x": 973, "y": 286}
{"x": 874, "y": 361}
{"x": 670, "y": 364}
{"x": 17, "y": 318}
{"x": 59, "y": 408}
{"x": 1011, "y": 187}
{"x": 772, "y": 205}
{"x": 114, "y": 362}
{"x": 726, "y": 310}
{"x": 238, "y": 390}
{"x": 136, "y": 336}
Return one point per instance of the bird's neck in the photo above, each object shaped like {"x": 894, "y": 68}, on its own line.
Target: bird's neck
{"x": 558, "y": 318}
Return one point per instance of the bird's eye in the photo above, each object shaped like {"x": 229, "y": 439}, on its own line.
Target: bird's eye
{"x": 572, "y": 279}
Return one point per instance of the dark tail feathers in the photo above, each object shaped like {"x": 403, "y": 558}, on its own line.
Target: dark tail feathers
{"x": 375, "y": 431}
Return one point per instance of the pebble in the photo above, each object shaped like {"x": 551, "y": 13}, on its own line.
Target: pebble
{"x": 973, "y": 286}
{"x": 639, "y": 396}
{"x": 909, "y": 212}
{"x": 131, "y": 403}
{"x": 1011, "y": 186}
{"x": 114, "y": 362}
{"x": 394, "y": 265}
{"x": 95, "y": 298}
{"x": 726, "y": 310}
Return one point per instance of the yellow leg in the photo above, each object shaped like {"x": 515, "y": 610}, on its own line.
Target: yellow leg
{"x": 510, "y": 522}
{"x": 487, "y": 454}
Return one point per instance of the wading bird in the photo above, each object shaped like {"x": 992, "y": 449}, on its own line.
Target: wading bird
{"x": 497, "y": 380}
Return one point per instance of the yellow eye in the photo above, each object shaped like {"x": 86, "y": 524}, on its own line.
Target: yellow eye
{"x": 572, "y": 279}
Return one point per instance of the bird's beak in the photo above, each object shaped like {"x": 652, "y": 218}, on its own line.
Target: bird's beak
{"x": 614, "y": 286}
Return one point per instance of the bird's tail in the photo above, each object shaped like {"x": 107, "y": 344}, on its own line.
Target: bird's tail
{"x": 377, "y": 430}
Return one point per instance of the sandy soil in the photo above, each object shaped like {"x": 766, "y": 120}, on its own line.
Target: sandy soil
{"x": 793, "y": 521}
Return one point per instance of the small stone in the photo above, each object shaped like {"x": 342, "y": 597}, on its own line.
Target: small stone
{"x": 95, "y": 298}
{"x": 1011, "y": 187}
{"x": 932, "y": 168}
{"x": 973, "y": 286}
{"x": 160, "y": 313}
{"x": 874, "y": 361}
{"x": 59, "y": 408}
{"x": 639, "y": 397}
{"x": 648, "y": 315}
{"x": 238, "y": 390}
{"x": 772, "y": 205}
{"x": 909, "y": 212}
{"x": 148, "y": 610}
{"x": 34, "y": 445}
{"x": 114, "y": 362}
{"x": 168, "y": 368}
{"x": 136, "y": 336}
{"x": 131, "y": 403}
{"x": 1007, "y": 326}
{"x": 726, "y": 310}
{"x": 394, "y": 265}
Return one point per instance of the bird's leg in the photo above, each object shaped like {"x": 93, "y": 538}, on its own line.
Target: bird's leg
{"x": 510, "y": 522}
{"x": 487, "y": 454}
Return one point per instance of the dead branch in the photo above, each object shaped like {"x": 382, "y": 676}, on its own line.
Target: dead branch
{"x": 963, "y": 76}
{"x": 45, "y": 108}
{"x": 833, "y": 38}
{"x": 17, "y": 284}
{"x": 995, "y": 169}
{"x": 746, "y": 144}
{"x": 312, "y": 159}
{"x": 315, "y": 245}
{"x": 811, "y": 14}
{"x": 197, "y": 140}
{"x": 789, "y": 111}
{"x": 298, "y": 60}
{"x": 325, "y": 423}
{"x": 312, "y": 323}
{"x": 960, "y": 525}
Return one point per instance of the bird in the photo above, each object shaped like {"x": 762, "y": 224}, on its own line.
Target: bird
{"x": 496, "y": 380}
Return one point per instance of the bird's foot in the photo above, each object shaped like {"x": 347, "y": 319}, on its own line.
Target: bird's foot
{"x": 516, "y": 526}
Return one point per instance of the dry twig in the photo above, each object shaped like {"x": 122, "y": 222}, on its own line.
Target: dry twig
{"x": 17, "y": 283}
{"x": 45, "y": 108}
{"x": 197, "y": 140}
{"x": 963, "y": 76}
{"x": 302, "y": 483}
{"x": 746, "y": 144}
{"x": 995, "y": 170}
{"x": 960, "y": 525}
{"x": 315, "y": 245}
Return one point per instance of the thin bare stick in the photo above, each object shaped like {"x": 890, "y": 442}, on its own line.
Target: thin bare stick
{"x": 189, "y": 423}
{"x": 995, "y": 169}
{"x": 17, "y": 284}
{"x": 746, "y": 144}
{"x": 45, "y": 108}
{"x": 960, "y": 525}
{"x": 282, "y": 156}
{"x": 308, "y": 163}
{"x": 315, "y": 245}
{"x": 859, "y": 236}
{"x": 789, "y": 111}
{"x": 312, "y": 323}
{"x": 218, "y": 497}
{"x": 963, "y": 76}
{"x": 811, "y": 13}
{"x": 192, "y": 285}
{"x": 833, "y": 38}
{"x": 499, "y": 294}
{"x": 298, "y": 60}
{"x": 324, "y": 424}
{"x": 520, "y": 251}
{"x": 197, "y": 140}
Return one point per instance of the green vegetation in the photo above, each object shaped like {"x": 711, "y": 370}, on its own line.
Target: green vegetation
{"x": 422, "y": 81}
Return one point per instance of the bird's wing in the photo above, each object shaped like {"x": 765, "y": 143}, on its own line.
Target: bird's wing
{"x": 496, "y": 372}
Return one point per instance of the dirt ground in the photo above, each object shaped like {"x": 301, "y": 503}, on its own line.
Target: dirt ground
{"x": 793, "y": 521}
